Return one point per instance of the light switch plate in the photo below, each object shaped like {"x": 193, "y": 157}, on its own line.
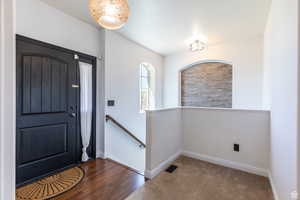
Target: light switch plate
{"x": 111, "y": 103}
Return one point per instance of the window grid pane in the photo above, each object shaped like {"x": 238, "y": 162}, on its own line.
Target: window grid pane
{"x": 144, "y": 99}
{"x": 146, "y": 90}
{"x": 144, "y": 83}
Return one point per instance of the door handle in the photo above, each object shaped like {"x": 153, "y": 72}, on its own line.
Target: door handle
{"x": 73, "y": 114}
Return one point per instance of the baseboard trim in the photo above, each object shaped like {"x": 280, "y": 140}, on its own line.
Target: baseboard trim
{"x": 100, "y": 154}
{"x": 118, "y": 161}
{"x": 127, "y": 167}
{"x": 275, "y": 194}
{"x": 227, "y": 163}
{"x": 162, "y": 166}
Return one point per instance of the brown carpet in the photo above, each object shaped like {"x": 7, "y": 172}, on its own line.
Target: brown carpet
{"x": 198, "y": 180}
{"x": 51, "y": 186}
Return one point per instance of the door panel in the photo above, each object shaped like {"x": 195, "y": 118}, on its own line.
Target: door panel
{"x": 46, "y": 130}
{"x": 44, "y": 85}
{"x": 33, "y": 146}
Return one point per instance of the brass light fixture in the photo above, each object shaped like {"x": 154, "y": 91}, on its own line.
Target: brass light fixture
{"x": 110, "y": 14}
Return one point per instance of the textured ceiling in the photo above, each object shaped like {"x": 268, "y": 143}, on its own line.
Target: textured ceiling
{"x": 167, "y": 26}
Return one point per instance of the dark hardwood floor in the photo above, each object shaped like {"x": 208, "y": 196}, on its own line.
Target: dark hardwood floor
{"x": 104, "y": 180}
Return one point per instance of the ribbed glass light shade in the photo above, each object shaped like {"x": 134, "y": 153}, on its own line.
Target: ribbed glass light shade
{"x": 110, "y": 14}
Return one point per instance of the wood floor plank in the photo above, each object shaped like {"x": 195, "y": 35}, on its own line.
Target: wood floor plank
{"x": 104, "y": 180}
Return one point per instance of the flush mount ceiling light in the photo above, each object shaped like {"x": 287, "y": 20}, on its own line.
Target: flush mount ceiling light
{"x": 110, "y": 14}
{"x": 197, "y": 45}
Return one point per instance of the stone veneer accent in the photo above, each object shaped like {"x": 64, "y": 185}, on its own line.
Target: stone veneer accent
{"x": 207, "y": 85}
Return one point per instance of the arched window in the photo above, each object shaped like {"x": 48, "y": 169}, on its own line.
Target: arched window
{"x": 147, "y": 87}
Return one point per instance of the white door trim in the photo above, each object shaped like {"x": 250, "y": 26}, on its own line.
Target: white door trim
{"x": 7, "y": 99}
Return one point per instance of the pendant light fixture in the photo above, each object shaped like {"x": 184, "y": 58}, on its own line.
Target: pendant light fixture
{"x": 110, "y": 14}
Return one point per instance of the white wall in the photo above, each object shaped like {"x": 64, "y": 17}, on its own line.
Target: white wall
{"x": 246, "y": 57}
{"x": 164, "y": 139}
{"x": 7, "y": 99}
{"x": 39, "y": 21}
{"x": 209, "y": 134}
{"x": 282, "y": 60}
{"x": 122, "y": 59}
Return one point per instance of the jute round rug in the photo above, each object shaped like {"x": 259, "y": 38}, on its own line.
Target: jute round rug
{"x": 51, "y": 186}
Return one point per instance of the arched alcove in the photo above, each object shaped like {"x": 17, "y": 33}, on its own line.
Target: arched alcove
{"x": 207, "y": 84}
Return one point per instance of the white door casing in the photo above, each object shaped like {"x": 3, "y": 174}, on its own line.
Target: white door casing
{"x": 7, "y": 99}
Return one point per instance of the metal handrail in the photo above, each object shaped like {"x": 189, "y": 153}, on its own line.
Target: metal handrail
{"x": 108, "y": 117}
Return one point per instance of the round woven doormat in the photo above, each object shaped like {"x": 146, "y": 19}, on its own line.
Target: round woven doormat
{"x": 51, "y": 186}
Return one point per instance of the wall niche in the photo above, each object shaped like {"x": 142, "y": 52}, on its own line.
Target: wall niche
{"x": 207, "y": 85}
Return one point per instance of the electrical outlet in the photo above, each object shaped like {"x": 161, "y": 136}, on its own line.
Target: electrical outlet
{"x": 236, "y": 147}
